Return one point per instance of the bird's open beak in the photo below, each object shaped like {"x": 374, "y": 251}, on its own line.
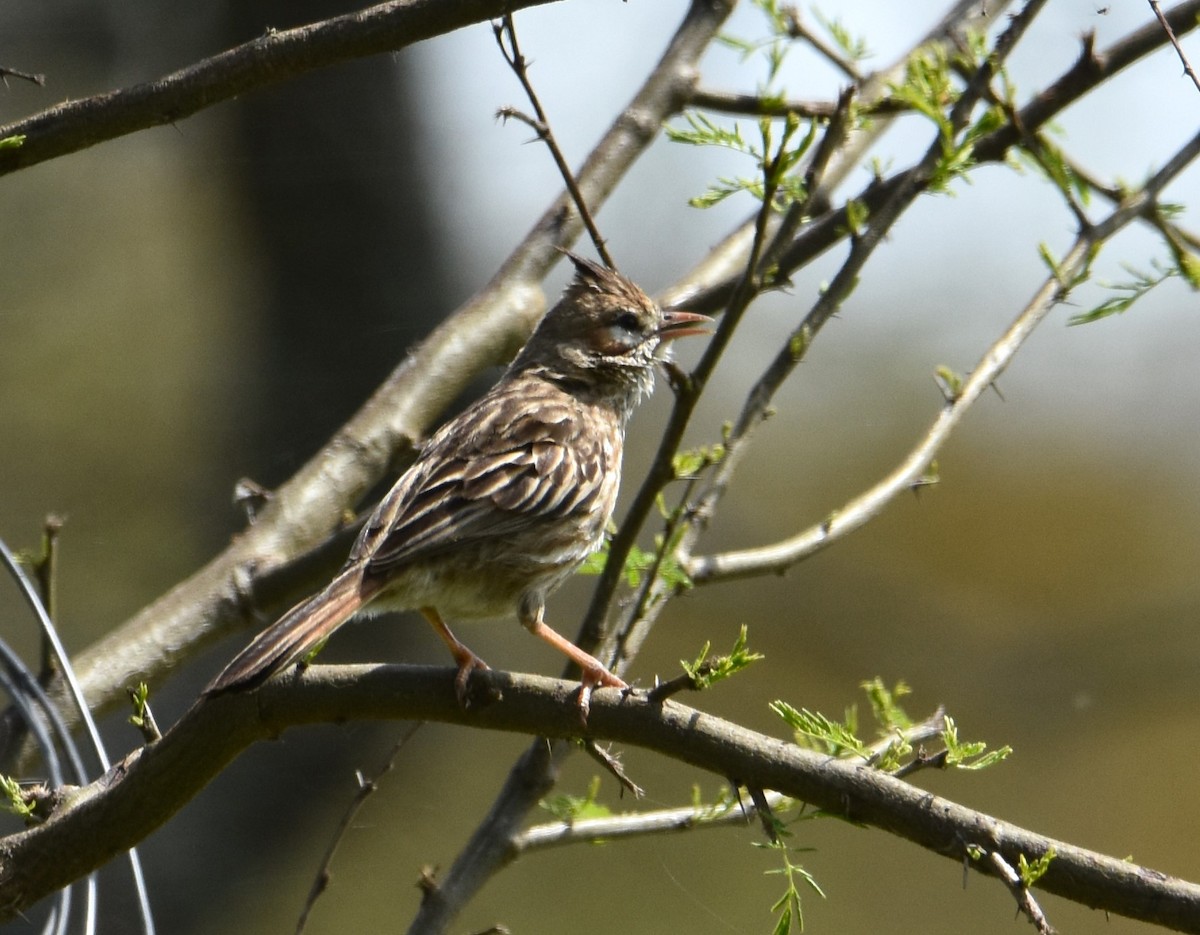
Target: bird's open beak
{"x": 681, "y": 324}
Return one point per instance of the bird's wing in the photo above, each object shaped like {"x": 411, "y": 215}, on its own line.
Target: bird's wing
{"x": 502, "y": 464}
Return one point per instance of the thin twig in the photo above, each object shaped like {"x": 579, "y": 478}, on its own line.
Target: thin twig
{"x": 367, "y": 786}
{"x": 6, "y": 73}
{"x": 506, "y": 29}
{"x": 45, "y": 573}
{"x": 798, "y": 29}
{"x": 637, "y": 824}
{"x": 1187, "y": 65}
{"x": 612, "y": 763}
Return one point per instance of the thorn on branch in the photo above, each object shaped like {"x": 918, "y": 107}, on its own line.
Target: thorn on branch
{"x": 921, "y": 761}
{"x": 771, "y": 824}
{"x": 427, "y": 881}
{"x": 664, "y": 690}
{"x": 930, "y": 478}
{"x": 250, "y": 497}
{"x": 508, "y": 112}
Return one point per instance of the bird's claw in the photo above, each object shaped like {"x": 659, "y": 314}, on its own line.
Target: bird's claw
{"x": 593, "y": 678}
{"x": 466, "y": 665}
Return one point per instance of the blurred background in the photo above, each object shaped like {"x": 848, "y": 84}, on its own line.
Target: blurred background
{"x": 198, "y": 303}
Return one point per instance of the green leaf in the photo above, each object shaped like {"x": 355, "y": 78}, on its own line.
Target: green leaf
{"x": 570, "y": 808}
{"x": 706, "y": 132}
{"x": 857, "y": 214}
{"x": 1128, "y": 292}
{"x": 744, "y": 46}
{"x": 13, "y": 142}
{"x": 139, "y": 696}
{"x": 17, "y": 803}
{"x": 1051, "y": 262}
{"x": 594, "y": 563}
{"x": 705, "y": 672}
{"x": 949, "y": 381}
{"x": 888, "y": 713}
{"x": 1189, "y": 268}
{"x": 788, "y": 905}
{"x": 724, "y": 187}
{"x": 1032, "y": 872}
{"x": 853, "y": 47}
{"x": 815, "y": 731}
{"x": 691, "y": 462}
{"x": 964, "y": 755}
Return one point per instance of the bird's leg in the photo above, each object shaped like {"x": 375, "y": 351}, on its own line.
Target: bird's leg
{"x": 467, "y": 661}
{"x": 595, "y": 675}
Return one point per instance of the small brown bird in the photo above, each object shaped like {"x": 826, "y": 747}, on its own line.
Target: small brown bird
{"x": 506, "y": 499}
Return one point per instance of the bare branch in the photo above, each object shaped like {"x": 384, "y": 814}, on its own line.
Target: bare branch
{"x": 271, "y": 58}
{"x": 367, "y": 786}
{"x": 1166, "y": 25}
{"x": 638, "y": 824}
{"x": 506, "y": 38}
{"x": 798, "y": 29}
{"x": 733, "y": 102}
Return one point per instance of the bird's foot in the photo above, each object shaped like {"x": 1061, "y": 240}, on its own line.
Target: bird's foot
{"x": 468, "y": 662}
{"x": 594, "y": 676}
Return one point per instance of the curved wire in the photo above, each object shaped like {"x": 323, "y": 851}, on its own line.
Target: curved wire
{"x": 31, "y": 598}
{"x": 19, "y": 683}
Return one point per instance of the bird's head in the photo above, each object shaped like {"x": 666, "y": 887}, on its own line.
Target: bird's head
{"x": 605, "y": 332}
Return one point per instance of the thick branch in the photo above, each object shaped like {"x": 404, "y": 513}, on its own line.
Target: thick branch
{"x": 94, "y": 823}
{"x": 271, "y": 58}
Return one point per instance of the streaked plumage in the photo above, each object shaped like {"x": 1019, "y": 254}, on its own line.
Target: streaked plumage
{"x": 505, "y": 500}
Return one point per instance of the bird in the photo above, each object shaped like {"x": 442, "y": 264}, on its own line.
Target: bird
{"x": 506, "y": 499}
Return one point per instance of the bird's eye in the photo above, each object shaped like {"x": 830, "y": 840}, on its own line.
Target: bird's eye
{"x": 629, "y": 321}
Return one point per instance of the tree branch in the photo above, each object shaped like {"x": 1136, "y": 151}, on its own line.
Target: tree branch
{"x": 273, "y": 57}
{"x": 1071, "y": 269}
{"x": 709, "y": 284}
{"x": 92, "y": 824}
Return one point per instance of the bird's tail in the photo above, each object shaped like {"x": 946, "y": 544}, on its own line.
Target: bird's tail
{"x": 295, "y": 634}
